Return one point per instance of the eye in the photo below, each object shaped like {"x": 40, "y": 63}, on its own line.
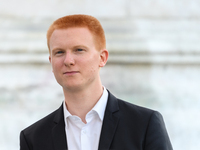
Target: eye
{"x": 59, "y": 52}
{"x": 79, "y": 49}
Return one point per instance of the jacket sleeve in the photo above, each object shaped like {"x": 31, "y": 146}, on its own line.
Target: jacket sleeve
{"x": 156, "y": 134}
{"x": 23, "y": 142}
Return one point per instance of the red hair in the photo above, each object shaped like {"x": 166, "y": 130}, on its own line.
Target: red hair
{"x": 80, "y": 21}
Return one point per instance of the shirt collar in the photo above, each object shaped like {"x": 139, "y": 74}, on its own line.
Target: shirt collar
{"x": 99, "y": 107}
{"x": 101, "y": 104}
{"x": 66, "y": 112}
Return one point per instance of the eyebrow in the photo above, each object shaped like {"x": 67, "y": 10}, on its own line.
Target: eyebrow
{"x": 77, "y": 46}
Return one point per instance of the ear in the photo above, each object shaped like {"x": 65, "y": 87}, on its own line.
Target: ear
{"x": 50, "y": 58}
{"x": 103, "y": 57}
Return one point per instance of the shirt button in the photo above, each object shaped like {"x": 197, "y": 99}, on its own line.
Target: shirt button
{"x": 84, "y": 132}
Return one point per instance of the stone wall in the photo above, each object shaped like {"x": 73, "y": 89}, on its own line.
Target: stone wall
{"x": 154, "y": 61}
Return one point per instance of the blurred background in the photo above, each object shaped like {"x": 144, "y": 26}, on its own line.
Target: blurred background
{"x": 154, "y": 61}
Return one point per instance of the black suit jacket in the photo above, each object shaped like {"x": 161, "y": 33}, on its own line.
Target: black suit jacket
{"x": 125, "y": 127}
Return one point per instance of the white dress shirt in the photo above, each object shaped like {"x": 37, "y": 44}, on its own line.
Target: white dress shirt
{"x": 81, "y": 136}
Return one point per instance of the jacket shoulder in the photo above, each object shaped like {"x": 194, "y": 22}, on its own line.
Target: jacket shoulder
{"x": 44, "y": 123}
{"x": 130, "y": 108}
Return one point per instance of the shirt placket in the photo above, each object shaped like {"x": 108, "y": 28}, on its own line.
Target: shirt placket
{"x": 84, "y": 139}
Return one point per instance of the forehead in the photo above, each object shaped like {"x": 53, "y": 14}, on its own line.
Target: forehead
{"x": 72, "y": 35}
{"x": 71, "y": 31}
{"x": 78, "y": 32}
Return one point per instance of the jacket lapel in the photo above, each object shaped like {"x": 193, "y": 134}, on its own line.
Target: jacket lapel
{"x": 58, "y": 131}
{"x": 110, "y": 122}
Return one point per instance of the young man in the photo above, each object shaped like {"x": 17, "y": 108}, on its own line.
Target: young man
{"x": 90, "y": 118}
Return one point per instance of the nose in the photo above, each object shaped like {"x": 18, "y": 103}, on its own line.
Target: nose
{"x": 69, "y": 59}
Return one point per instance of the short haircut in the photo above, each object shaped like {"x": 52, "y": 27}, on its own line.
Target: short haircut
{"x": 80, "y": 20}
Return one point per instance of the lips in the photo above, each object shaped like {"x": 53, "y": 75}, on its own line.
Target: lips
{"x": 70, "y": 72}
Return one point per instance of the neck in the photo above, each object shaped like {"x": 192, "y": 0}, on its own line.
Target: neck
{"x": 79, "y": 103}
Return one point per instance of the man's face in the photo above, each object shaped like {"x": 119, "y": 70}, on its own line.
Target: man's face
{"x": 75, "y": 59}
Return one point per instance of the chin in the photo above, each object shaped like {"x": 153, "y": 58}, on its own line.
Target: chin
{"x": 73, "y": 87}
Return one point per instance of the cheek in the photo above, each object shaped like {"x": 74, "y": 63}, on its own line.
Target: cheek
{"x": 88, "y": 67}
{"x": 89, "y": 64}
{"x": 56, "y": 65}
{"x": 94, "y": 66}
{"x": 92, "y": 69}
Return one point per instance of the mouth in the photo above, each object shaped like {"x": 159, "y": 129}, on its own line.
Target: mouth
{"x": 70, "y": 72}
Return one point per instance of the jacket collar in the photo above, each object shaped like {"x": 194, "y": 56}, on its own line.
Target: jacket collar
{"x": 110, "y": 122}
{"x": 58, "y": 131}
